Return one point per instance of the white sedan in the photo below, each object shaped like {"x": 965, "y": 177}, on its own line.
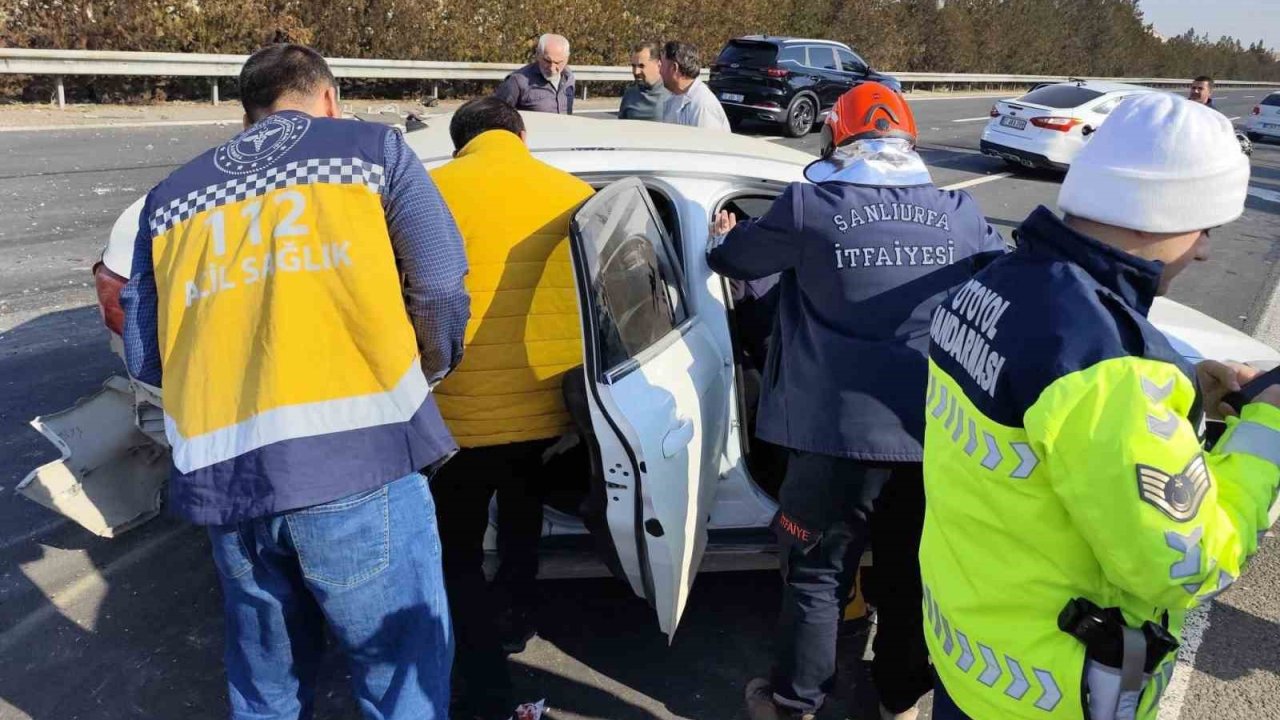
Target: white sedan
{"x": 1048, "y": 126}
{"x": 675, "y": 482}
{"x": 1264, "y": 119}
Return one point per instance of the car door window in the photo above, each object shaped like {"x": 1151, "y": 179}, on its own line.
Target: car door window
{"x": 851, "y": 63}
{"x": 792, "y": 55}
{"x": 1106, "y": 107}
{"x": 822, "y": 57}
{"x": 636, "y": 292}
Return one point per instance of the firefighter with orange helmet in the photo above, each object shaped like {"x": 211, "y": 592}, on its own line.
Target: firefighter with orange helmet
{"x": 864, "y": 252}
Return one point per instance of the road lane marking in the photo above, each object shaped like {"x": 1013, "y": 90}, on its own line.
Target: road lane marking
{"x": 1268, "y": 195}
{"x": 1234, "y": 118}
{"x": 978, "y": 181}
{"x": 984, "y": 117}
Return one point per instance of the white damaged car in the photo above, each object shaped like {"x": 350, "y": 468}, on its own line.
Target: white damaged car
{"x": 675, "y": 482}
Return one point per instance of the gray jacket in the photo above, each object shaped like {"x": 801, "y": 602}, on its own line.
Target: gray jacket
{"x": 641, "y": 102}
{"x": 527, "y": 89}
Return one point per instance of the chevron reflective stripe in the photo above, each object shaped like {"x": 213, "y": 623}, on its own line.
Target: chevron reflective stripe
{"x": 973, "y": 438}
{"x": 1156, "y": 393}
{"x": 1028, "y": 459}
{"x": 1019, "y": 687}
{"x": 955, "y": 436}
{"x": 1224, "y": 581}
{"x": 951, "y": 415}
{"x": 1051, "y": 694}
{"x": 965, "y": 661}
{"x": 1189, "y": 547}
{"x": 1040, "y": 687}
{"x": 943, "y": 394}
{"x": 1253, "y": 439}
{"x": 991, "y": 672}
{"x": 992, "y": 459}
{"x": 933, "y": 388}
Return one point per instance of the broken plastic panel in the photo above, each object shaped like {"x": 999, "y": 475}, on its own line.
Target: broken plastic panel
{"x": 111, "y": 475}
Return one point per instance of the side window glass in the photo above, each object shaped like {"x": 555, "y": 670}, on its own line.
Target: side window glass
{"x": 792, "y": 54}
{"x": 1106, "y": 107}
{"x": 822, "y": 57}
{"x": 850, "y": 63}
{"x": 636, "y": 292}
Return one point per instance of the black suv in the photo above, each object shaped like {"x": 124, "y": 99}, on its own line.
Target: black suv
{"x": 790, "y": 81}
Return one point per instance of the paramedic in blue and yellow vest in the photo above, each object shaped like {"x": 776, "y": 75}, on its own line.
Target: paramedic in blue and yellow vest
{"x": 1073, "y": 515}
{"x": 504, "y": 403}
{"x": 296, "y": 292}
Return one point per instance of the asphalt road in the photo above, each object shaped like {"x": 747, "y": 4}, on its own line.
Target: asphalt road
{"x": 131, "y": 628}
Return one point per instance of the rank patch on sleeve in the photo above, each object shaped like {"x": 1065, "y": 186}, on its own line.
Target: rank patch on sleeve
{"x": 1178, "y": 496}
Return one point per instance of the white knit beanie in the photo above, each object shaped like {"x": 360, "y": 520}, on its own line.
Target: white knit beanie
{"x": 1160, "y": 163}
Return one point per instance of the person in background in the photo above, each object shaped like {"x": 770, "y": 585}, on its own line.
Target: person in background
{"x": 1202, "y": 91}
{"x": 866, "y": 251}
{"x": 282, "y": 247}
{"x": 1074, "y": 515}
{"x": 504, "y": 402}
{"x": 544, "y": 85}
{"x": 647, "y": 97}
{"x": 692, "y": 102}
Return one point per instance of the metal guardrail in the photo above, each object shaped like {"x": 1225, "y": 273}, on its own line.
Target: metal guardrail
{"x": 95, "y": 62}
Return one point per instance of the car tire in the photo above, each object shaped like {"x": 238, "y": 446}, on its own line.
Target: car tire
{"x": 735, "y": 124}
{"x": 1014, "y": 164}
{"x": 801, "y": 116}
{"x": 1253, "y": 137}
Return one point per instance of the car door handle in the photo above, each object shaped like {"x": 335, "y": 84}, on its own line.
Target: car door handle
{"x": 678, "y": 438}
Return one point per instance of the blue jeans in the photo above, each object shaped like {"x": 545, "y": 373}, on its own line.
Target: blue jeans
{"x": 368, "y": 565}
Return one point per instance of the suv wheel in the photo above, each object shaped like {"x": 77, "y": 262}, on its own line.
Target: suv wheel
{"x": 800, "y": 117}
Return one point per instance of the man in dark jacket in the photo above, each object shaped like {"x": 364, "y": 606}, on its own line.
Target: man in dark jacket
{"x": 544, "y": 85}
{"x": 865, "y": 256}
{"x": 645, "y": 99}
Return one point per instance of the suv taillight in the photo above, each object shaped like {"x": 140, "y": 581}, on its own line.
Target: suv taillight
{"x": 995, "y": 111}
{"x": 109, "y": 285}
{"x": 1257, "y": 110}
{"x": 777, "y": 72}
{"x": 1061, "y": 124}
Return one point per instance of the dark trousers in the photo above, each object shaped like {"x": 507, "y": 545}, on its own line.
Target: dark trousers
{"x": 463, "y": 489}
{"x": 830, "y": 509}
{"x": 944, "y": 708}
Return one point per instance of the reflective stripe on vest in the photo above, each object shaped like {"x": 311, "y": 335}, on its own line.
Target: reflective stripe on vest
{"x": 992, "y": 673}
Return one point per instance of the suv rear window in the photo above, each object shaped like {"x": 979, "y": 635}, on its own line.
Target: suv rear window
{"x": 1272, "y": 100}
{"x": 1060, "y": 96}
{"x": 748, "y": 54}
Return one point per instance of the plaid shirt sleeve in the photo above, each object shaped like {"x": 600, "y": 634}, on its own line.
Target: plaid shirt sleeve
{"x": 430, "y": 255}
{"x": 139, "y": 301}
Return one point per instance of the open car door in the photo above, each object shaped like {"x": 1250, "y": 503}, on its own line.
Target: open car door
{"x": 658, "y": 392}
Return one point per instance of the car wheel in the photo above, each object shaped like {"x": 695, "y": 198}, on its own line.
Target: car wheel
{"x": 1253, "y": 137}
{"x": 735, "y": 124}
{"x": 1014, "y": 164}
{"x": 800, "y": 117}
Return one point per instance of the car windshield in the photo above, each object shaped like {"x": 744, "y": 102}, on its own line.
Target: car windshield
{"x": 748, "y": 54}
{"x": 1060, "y": 96}
{"x": 1272, "y": 100}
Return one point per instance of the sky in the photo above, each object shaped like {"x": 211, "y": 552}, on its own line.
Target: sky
{"x": 1246, "y": 20}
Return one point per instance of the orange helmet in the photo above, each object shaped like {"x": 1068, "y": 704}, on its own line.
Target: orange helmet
{"x": 869, "y": 110}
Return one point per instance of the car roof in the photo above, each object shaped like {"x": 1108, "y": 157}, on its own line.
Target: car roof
{"x": 551, "y": 133}
{"x": 1107, "y": 86}
{"x": 783, "y": 40}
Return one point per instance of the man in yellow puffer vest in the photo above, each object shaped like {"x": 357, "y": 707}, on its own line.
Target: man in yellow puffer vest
{"x": 503, "y": 403}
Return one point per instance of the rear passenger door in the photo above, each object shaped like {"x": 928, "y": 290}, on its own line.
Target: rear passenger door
{"x": 658, "y": 392}
{"x": 831, "y": 81}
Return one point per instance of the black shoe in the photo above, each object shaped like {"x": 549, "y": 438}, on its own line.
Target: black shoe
{"x": 515, "y": 629}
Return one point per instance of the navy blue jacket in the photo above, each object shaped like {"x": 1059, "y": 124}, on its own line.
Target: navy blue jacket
{"x": 1072, "y": 302}
{"x": 862, "y": 270}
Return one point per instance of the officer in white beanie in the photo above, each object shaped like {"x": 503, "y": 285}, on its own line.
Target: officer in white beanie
{"x": 1073, "y": 516}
